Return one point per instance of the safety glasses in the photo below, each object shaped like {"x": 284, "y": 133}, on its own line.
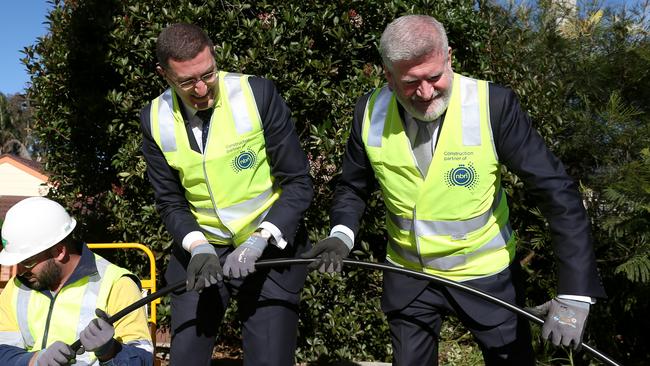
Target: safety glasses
{"x": 32, "y": 261}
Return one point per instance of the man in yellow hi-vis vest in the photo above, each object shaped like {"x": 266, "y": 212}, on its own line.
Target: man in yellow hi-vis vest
{"x": 229, "y": 178}
{"x": 434, "y": 141}
{"x": 52, "y": 300}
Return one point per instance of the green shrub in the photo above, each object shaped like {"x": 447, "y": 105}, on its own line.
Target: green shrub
{"x": 94, "y": 70}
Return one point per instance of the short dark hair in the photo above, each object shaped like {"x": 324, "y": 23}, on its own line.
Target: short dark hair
{"x": 181, "y": 42}
{"x": 74, "y": 245}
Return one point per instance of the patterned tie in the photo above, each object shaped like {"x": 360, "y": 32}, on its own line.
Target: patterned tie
{"x": 205, "y": 116}
{"x": 422, "y": 146}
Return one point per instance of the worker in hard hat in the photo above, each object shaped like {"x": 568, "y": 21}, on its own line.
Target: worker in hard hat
{"x": 52, "y": 300}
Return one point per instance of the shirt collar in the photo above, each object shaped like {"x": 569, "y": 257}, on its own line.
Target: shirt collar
{"x": 411, "y": 125}
{"x": 85, "y": 267}
{"x": 189, "y": 110}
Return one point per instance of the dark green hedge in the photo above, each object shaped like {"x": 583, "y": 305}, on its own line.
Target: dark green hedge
{"x": 95, "y": 69}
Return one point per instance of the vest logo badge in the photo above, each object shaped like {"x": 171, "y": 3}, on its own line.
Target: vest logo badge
{"x": 462, "y": 176}
{"x": 245, "y": 160}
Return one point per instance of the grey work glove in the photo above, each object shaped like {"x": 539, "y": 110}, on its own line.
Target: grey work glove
{"x": 565, "y": 321}
{"x": 98, "y": 335}
{"x": 331, "y": 252}
{"x": 241, "y": 262}
{"x": 57, "y": 354}
{"x": 204, "y": 268}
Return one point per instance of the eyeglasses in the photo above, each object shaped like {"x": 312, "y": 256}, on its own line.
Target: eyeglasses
{"x": 190, "y": 84}
{"x": 32, "y": 261}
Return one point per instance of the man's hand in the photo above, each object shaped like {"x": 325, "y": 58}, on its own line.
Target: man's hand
{"x": 204, "y": 268}
{"x": 241, "y": 261}
{"x": 565, "y": 321}
{"x": 57, "y": 354}
{"x": 332, "y": 251}
{"x": 98, "y": 336}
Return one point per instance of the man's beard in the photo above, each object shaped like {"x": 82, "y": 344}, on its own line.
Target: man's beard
{"x": 440, "y": 105}
{"x": 49, "y": 277}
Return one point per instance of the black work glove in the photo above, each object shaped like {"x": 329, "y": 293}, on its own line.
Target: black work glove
{"x": 565, "y": 321}
{"x": 331, "y": 252}
{"x": 57, "y": 354}
{"x": 204, "y": 268}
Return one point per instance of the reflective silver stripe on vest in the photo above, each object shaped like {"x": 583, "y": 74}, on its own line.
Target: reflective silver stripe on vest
{"x": 237, "y": 101}
{"x": 470, "y": 113}
{"x": 89, "y": 300}
{"x": 450, "y": 262}
{"x": 22, "y": 305}
{"x": 84, "y": 360}
{"x": 234, "y": 212}
{"x": 166, "y": 121}
{"x": 238, "y": 210}
{"x": 378, "y": 117}
{"x": 142, "y": 344}
{"x": 457, "y": 229}
{"x": 216, "y": 232}
{"x": 227, "y": 235}
{"x": 12, "y": 339}
{"x": 242, "y": 209}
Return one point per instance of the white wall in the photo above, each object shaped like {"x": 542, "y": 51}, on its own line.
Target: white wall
{"x": 17, "y": 182}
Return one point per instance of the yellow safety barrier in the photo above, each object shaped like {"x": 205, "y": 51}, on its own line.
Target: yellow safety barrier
{"x": 148, "y": 284}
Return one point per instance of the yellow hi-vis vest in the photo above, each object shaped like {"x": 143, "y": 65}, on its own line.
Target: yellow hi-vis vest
{"x": 453, "y": 223}
{"x": 229, "y": 187}
{"x": 43, "y": 321}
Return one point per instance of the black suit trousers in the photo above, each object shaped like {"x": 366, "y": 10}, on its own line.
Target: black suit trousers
{"x": 415, "y": 309}
{"x": 267, "y": 306}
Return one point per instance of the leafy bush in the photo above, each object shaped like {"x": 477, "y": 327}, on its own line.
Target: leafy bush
{"x": 95, "y": 69}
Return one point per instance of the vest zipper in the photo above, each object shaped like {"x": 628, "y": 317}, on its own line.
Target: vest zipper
{"x": 47, "y": 322}
{"x": 214, "y": 205}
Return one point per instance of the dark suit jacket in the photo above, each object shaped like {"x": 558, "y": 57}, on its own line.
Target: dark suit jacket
{"x": 289, "y": 167}
{"x": 524, "y": 152}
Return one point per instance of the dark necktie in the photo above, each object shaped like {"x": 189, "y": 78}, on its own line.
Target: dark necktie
{"x": 205, "y": 116}
{"x": 422, "y": 149}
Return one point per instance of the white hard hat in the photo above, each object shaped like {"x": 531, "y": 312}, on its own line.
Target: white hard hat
{"x": 32, "y": 226}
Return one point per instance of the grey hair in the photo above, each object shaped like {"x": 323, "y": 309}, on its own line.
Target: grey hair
{"x": 412, "y": 36}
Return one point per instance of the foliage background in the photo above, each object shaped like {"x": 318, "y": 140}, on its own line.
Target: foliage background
{"x": 582, "y": 76}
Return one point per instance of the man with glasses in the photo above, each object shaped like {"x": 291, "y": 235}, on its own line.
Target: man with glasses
{"x": 229, "y": 178}
{"x": 63, "y": 292}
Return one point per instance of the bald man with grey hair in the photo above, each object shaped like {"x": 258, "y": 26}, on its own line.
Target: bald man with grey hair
{"x": 434, "y": 142}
